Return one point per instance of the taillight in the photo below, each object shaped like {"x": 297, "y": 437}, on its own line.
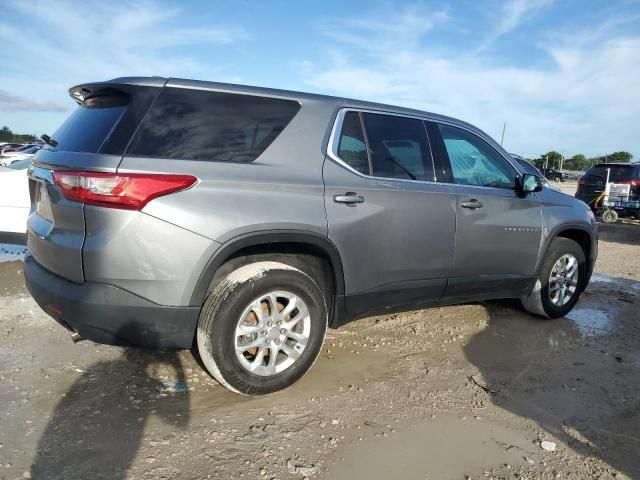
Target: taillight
{"x": 130, "y": 191}
{"x": 582, "y": 181}
{"x": 633, "y": 183}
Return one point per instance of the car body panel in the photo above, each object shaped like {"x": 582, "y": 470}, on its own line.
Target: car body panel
{"x": 500, "y": 239}
{"x": 402, "y": 232}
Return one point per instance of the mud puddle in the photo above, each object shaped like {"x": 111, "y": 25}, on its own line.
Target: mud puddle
{"x": 590, "y": 321}
{"x": 448, "y": 446}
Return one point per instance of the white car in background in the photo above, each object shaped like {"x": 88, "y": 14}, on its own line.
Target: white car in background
{"x": 12, "y": 157}
{"x": 14, "y": 197}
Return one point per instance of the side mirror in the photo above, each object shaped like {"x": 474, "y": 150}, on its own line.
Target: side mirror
{"x": 530, "y": 183}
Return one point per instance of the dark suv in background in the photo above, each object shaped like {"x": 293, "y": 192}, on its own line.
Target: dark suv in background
{"x": 555, "y": 175}
{"x": 592, "y": 184}
{"x": 244, "y": 221}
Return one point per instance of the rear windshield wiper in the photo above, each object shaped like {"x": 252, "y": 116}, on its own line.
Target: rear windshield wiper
{"x": 48, "y": 140}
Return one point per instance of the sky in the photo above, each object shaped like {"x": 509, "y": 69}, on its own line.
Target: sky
{"x": 563, "y": 74}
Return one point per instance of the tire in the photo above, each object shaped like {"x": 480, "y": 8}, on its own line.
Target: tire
{"x": 234, "y": 301}
{"x": 609, "y": 216}
{"x": 556, "y": 179}
{"x": 544, "y": 299}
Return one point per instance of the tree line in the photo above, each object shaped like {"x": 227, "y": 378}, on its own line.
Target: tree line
{"x": 579, "y": 162}
{"x": 7, "y": 136}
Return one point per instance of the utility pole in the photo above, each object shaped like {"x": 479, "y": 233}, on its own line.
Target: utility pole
{"x": 561, "y": 160}
{"x": 504, "y": 127}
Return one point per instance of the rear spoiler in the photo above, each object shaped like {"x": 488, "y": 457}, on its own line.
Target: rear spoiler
{"x": 80, "y": 93}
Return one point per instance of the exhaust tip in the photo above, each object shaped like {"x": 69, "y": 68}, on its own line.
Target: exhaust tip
{"x": 75, "y": 337}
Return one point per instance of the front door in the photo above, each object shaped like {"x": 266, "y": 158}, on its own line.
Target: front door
{"x": 393, "y": 225}
{"x": 498, "y": 229}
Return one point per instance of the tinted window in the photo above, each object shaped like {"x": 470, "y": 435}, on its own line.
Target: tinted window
{"x": 474, "y": 161}
{"x": 90, "y": 124}
{"x": 616, "y": 172}
{"x": 528, "y": 168}
{"x": 202, "y": 125}
{"x": 352, "y": 149}
{"x": 399, "y": 147}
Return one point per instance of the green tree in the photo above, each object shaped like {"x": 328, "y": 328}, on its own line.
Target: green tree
{"x": 623, "y": 157}
{"x": 6, "y": 135}
{"x": 577, "y": 162}
{"x": 552, "y": 159}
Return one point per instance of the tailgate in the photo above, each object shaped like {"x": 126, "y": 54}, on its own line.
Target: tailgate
{"x": 55, "y": 229}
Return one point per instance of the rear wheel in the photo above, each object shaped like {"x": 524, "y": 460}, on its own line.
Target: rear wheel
{"x": 560, "y": 282}
{"x": 262, "y": 327}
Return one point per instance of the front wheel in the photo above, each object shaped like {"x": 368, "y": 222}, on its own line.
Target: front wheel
{"x": 560, "y": 282}
{"x": 262, "y": 327}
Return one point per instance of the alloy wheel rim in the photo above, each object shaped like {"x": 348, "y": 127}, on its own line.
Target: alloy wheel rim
{"x": 272, "y": 332}
{"x": 563, "y": 280}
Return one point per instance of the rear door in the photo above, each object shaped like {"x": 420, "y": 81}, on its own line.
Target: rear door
{"x": 92, "y": 138}
{"x": 391, "y": 222}
{"x": 498, "y": 230}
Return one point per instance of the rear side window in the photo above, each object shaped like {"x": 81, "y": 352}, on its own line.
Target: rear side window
{"x": 213, "y": 126}
{"x": 399, "y": 147}
{"x": 91, "y": 123}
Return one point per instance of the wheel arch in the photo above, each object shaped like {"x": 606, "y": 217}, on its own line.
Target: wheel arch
{"x": 273, "y": 242}
{"x": 582, "y": 235}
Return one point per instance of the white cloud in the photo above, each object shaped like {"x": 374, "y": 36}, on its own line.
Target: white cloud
{"x": 585, "y": 100}
{"x": 63, "y": 42}
{"x": 514, "y": 13}
{"x": 15, "y": 103}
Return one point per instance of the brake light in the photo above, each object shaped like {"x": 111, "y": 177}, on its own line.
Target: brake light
{"x": 633, "y": 183}
{"x": 129, "y": 191}
{"x": 582, "y": 181}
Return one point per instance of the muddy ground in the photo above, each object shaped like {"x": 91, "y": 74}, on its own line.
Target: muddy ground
{"x": 448, "y": 393}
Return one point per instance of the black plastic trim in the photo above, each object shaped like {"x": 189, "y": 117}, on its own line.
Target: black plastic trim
{"x": 107, "y": 314}
{"x": 229, "y": 248}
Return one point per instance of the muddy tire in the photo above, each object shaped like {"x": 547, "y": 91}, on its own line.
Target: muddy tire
{"x": 560, "y": 282}
{"x": 262, "y": 327}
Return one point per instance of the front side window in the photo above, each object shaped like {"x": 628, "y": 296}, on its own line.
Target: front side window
{"x": 398, "y": 146}
{"x": 474, "y": 162}
{"x": 215, "y": 126}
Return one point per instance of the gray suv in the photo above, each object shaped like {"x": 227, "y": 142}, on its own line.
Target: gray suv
{"x": 243, "y": 221}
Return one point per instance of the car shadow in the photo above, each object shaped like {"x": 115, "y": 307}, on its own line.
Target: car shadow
{"x": 578, "y": 385}
{"x": 97, "y": 428}
{"x": 626, "y": 233}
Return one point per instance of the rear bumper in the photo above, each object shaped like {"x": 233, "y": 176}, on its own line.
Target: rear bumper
{"x": 107, "y": 314}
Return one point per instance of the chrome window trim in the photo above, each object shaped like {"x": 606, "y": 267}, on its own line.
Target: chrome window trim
{"x": 334, "y": 141}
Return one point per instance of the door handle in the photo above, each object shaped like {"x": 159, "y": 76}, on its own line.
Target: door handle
{"x": 472, "y": 204}
{"x": 350, "y": 198}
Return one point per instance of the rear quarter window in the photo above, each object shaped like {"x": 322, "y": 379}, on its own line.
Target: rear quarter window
{"x": 211, "y": 126}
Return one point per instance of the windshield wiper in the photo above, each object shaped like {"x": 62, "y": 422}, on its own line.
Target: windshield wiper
{"x": 48, "y": 140}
